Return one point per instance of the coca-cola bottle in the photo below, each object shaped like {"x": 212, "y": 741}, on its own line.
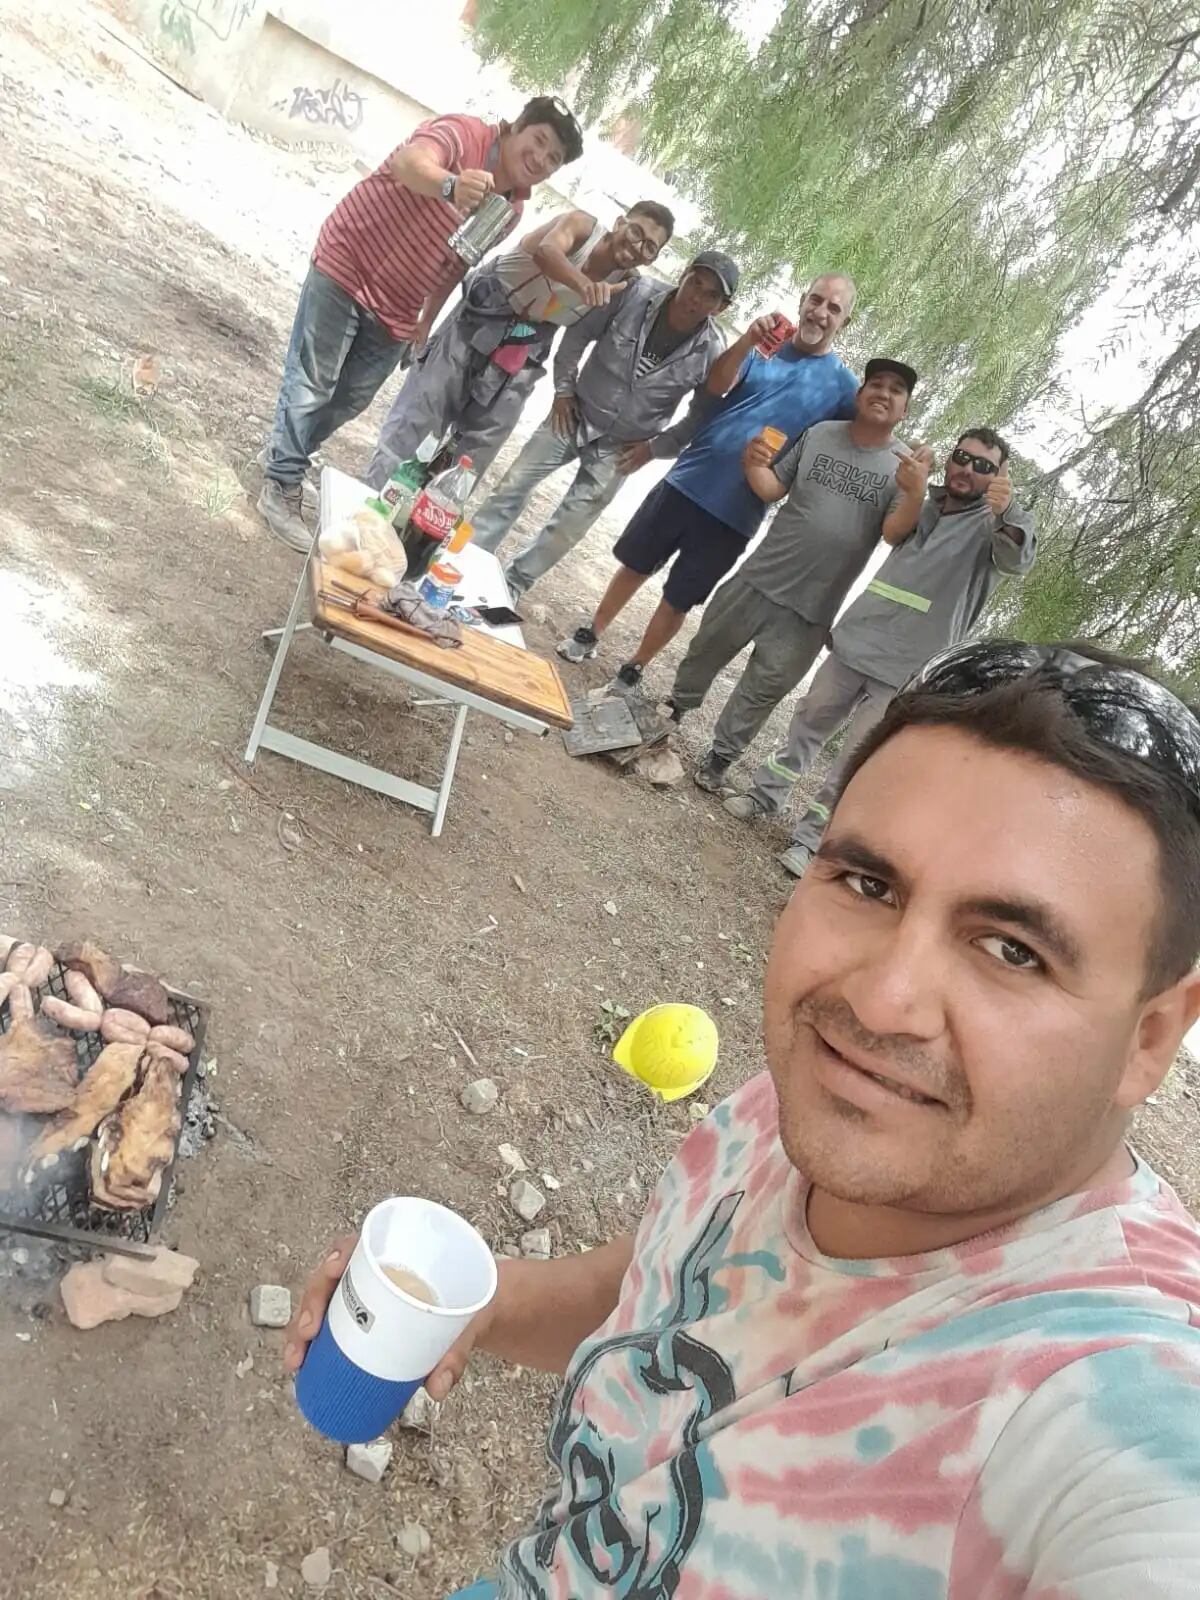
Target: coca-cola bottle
{"x": 436, "y": 513}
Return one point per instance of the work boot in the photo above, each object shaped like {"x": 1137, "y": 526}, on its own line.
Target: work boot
{"x": 279, "y": 505}
{"x": 580, "y": 646}
{"x": 745, "y": 807}
{"x": 311, "y": 494}
{"x": 710, "y": 774}
{"x": 797, "y": 858}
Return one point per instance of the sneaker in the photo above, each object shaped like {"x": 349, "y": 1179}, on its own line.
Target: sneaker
{"x": 279, "y": 505}
{"x": 796, "y": 858}
{"x": 745, "y": 807}
{"x": 581, "y": 646}
{"x": 629, "y": 677}
{"x": 668, "y": 709}
{"x": 710, "y": 774}
{"x": 311, "y": 494}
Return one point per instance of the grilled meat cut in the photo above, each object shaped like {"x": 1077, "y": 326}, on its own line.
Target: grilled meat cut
{"x": 37, "y": 1073}
{"x": 140, "y": 992}
{"x": 97, "y": 966}
{"x": 108, "y": 1080}
{"x": 129, "y": 991}
{"x": 135, "y": 1143}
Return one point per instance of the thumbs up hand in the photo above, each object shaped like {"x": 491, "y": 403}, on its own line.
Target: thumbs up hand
{"x": 999, "y": 492}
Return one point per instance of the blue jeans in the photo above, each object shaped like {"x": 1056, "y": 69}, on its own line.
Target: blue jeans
{"x": 339, "y": 358}
{"x": 595, "y": 483}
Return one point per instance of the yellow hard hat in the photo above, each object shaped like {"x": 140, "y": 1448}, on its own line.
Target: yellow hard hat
{"x": 672, "y": 1049}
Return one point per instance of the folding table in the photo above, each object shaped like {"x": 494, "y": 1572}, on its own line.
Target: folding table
{"x": 492, "y": 672}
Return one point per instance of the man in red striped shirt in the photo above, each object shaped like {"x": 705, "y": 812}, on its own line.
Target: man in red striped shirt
{"x": 381, "y": 272}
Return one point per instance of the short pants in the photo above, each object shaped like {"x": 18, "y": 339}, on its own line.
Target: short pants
{"x": 668, "y": 524}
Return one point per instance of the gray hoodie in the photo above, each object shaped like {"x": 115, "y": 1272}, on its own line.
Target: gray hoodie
{"x": 932, "y": 589}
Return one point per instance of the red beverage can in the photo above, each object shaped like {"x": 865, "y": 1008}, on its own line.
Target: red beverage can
{"x": 782, "y": 329}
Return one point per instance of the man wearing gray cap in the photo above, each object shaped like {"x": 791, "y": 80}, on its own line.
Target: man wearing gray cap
{"x": 703, "y": 515}
{"x": 847, "y": 484}
{"x": 652, "y": 346}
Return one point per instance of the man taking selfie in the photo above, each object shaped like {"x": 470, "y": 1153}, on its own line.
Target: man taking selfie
{"x": 906, "y": 1318}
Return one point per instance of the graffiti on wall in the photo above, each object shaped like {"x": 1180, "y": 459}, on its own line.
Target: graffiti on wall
{"x": 337, "y": 107}
{"x": 221, "y": 18}
{"x": 176, "y": 26}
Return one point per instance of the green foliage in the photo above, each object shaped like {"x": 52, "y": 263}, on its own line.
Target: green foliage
{"x": 983, "y": 172}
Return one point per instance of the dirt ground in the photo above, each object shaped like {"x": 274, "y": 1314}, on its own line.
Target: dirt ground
{"x": 348, "y": 977}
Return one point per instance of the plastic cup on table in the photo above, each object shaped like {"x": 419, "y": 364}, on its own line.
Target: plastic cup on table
{"x": 378, "y": 1342}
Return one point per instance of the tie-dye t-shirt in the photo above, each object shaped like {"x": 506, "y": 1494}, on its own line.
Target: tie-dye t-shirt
{"x": 1017, "y": 1416}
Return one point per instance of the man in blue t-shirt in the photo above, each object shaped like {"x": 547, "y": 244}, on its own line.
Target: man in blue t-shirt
{"x": 704, "y": 513}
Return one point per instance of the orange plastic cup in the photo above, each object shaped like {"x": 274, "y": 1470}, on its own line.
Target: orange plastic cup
{"x": 774, "y": 438}
{"x": 461, "y": 537}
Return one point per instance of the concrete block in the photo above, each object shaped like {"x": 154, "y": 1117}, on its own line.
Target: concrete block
{"x": 270, "y": 1306}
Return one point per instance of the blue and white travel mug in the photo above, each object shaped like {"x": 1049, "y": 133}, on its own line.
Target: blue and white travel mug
{"x": 418, "y": 1274}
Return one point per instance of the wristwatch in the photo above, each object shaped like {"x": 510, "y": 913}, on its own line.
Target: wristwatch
{"x": 448, "y": 183}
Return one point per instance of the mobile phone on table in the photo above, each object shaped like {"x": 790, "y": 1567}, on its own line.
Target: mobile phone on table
{"x": 499, "y": 616}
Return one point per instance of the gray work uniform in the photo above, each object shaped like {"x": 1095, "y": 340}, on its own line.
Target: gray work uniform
{"x": 454, "y": 382}
{"x": 620, "y": 400}
{"x": 928, "y": 594}
{"x": 785, "y": 596}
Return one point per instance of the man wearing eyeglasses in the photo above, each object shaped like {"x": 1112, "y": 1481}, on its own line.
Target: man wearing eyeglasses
{"x": 906, "y": 1318}
{"x": 480, "y": 367}
{"x": 929, "y": 593}
{"x": 382, "y": 269}
{"x": 653, "y": 346}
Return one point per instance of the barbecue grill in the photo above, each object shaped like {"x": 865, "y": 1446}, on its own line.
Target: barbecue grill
{"x": 57, "y": 1204}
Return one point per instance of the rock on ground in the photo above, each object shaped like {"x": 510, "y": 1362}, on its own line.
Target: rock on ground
{"x": 89, "y": 1299}
{"x": 662, "y": 768}
{"x": 528, "y": 1201}
{"x": 369, "y": 1461}
{"x": 316, "y": 1569}
{"x": 480, "y": 1096}
{"x": 270, "y": 1306}
{"x": 414, "y": 1541}
{"x": 421, "y": 1412}
{"x": 167, "y": 1271}
{"x": 536, "y": 1244}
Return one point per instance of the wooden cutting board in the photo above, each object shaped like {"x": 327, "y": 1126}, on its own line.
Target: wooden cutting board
{"x": 488, "y": 667}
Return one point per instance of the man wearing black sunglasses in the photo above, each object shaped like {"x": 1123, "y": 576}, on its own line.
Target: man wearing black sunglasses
{"x": 928, "y": 594}
{"x": 480, "y": 367}
{"x": 907, "y": 1312}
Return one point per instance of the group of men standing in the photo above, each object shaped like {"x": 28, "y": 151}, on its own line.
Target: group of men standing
{"x": 630, "y": 351}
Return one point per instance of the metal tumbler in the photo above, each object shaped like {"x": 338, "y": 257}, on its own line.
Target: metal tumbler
{"x": 476, "y": 234}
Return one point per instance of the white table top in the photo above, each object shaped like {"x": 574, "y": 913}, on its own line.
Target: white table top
{"x": 482, "y": 582}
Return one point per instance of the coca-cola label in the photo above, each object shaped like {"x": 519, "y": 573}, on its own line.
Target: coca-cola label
{"x": 435, "y": 521}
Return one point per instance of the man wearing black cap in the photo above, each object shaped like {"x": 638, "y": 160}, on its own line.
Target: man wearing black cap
{"x": 927, "y": 595}
{"x": 847, "y": 484}
{"x": 652, "y": 346}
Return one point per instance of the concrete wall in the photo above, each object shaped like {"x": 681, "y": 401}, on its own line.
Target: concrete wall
{"x": 203, "y": 43}
{"x": 296, "y": 89}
